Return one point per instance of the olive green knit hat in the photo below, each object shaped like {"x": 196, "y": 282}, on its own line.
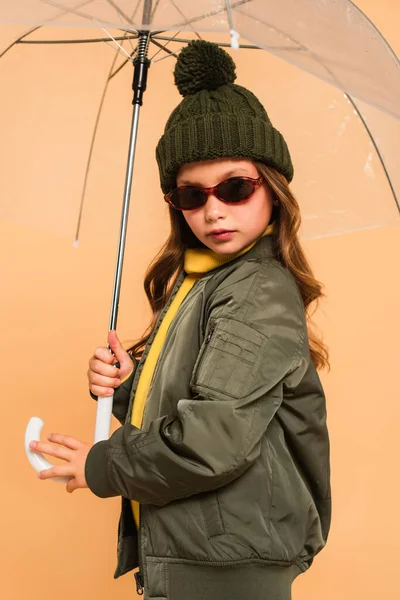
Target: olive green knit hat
{"x": 216, "y": 118}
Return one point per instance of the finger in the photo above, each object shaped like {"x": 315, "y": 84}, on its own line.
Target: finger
{"x": 109, "y": 382}
{"x": 57, "y": 471}
{"x": 116, "y": 346}
{"x": 51, "y": 450}
{"x": 113, "y": 340}
{"x": 104, "y": 355}
{"x": 101, "y": 392}
{"x": 101, "y": 368}
{"x": 66, "y": 440}
{"x": 71, "y": 485}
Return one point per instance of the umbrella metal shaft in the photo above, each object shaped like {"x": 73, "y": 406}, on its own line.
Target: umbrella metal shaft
{"x": 139, "y": 86}
{"x": 124, "y": 217}
{"x": 104, "y": 404}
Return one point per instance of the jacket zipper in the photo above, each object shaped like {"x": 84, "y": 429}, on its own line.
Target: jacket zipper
{"x": 139, "y": 576}
{"x": 206, "y": 342}
{"x": 210, "y": 334}
{"x": 139, "y": 583}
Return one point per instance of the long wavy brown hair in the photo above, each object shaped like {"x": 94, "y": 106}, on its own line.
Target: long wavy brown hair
{"x": 167, "y": 265}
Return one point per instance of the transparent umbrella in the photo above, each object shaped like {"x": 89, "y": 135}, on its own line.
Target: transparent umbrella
{"x": 333, "y": 41}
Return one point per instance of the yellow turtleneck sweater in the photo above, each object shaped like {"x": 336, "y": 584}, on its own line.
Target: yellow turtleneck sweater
{"x": 197, "y": 262}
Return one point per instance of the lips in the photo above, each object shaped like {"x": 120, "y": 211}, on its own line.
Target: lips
{"x": 221, "y": 235}
{"x": 220, "y": 231}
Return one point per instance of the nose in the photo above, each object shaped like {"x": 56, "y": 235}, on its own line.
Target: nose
{"x": 214, "y": 209}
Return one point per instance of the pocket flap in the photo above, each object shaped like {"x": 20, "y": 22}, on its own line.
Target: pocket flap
{"x": 229, "y": 358}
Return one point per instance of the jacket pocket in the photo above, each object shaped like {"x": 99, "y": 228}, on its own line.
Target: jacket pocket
{"x": 211, "y": 513}
{"x": 229, "y": 358}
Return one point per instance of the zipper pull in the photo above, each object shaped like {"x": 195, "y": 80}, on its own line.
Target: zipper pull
{"x": 139, "y": 583}
{"x": 209, "y": 336}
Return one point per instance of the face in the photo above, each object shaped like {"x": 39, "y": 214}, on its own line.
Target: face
{"x": 243, "y": 222}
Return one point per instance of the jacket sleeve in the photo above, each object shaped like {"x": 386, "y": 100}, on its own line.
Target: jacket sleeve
{"x": 121, "y": 396}
{"x": 237, "y": 386}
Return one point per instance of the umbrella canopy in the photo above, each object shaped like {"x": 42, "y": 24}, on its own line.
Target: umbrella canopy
{"x": 327, "y": 39}
{"x": 330, "y": 40}
{"x": 333, "y": 40}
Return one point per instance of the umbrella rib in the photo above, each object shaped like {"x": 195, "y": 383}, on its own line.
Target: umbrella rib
{"x": 211, "y": 14}
{"x": 266, "y": 24}
{"x": 167, "y": 50}
{"x": 120, "y": 11}
{"x": 354, "y": 105}
{"x": 78, "y": 13}
{"x": 163, "y": 46}
{"x": 114, "y": 40}
{"x": 91, "y": 41}
{"x": 118, "y": 51}
{"x": 67, "y": 9}
{"x": 228, "y": 9}
{"x": 21, "y": 38}
{"x": 186, "y": 41}
{"x": 89, "y": 160}
{"x": 154, "y": 10}
{"x": 153, "y": 62}
{"x": 122, "y": 65}
{"x": 186, "y": 22}
{"x": 113, "y": 74}
{"x": 88, "y": 164}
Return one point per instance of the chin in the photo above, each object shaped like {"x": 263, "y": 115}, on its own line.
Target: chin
{"x": 227, "y": 248}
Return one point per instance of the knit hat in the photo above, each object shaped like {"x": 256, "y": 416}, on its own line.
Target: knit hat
{"x": 216, "y": 118}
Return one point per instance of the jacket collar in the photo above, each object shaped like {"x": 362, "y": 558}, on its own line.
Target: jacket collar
{"x": 202, "y": 260}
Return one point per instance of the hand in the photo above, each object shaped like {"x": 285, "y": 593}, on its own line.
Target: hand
{"x": 69, "y": 449}
{"x": 103, "y": 376}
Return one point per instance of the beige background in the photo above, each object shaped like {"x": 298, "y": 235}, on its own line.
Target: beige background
{"x": 55, "y": 304}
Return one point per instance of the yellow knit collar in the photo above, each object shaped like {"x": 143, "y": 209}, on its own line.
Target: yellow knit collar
{"x": 201, "y": 260}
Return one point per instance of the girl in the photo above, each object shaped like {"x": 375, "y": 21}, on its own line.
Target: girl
{"x": 222, "y": 459}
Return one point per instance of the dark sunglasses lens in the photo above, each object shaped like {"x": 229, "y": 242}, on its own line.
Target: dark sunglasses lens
{"x": 235, "y": 189}
{"x": 187, "y": 198}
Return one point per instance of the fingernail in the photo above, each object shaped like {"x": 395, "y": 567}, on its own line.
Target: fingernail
{"x": 32, "y": 445}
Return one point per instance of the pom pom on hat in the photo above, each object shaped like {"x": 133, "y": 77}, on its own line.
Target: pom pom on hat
{"x": 216, "y": 118}
{"x": 203, "y": 65}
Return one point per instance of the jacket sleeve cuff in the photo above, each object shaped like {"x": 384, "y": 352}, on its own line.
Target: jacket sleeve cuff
{"x": 96, "y": 471}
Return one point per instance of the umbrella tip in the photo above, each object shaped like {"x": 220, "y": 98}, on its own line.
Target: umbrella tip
{"x": 76, "y": 243}
{"x": 234, "y": 39}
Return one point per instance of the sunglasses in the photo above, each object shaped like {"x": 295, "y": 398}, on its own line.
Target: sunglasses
{"x": 231, "y": 191}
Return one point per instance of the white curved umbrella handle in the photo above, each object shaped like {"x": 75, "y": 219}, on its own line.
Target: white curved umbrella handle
{"x": 35, "y": 426}
{"x": 37, "y": 460}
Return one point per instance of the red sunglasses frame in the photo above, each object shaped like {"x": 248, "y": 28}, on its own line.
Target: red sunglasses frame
{"x": 213, "y": 190}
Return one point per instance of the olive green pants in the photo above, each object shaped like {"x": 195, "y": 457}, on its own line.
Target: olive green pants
{"x": 255, "y": 582}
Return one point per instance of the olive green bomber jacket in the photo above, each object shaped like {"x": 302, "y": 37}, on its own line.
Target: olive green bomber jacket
{"x": 231, "y": 465}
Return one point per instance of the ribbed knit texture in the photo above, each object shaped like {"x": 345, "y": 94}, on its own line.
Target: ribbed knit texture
{"x": 216, "y": 118}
